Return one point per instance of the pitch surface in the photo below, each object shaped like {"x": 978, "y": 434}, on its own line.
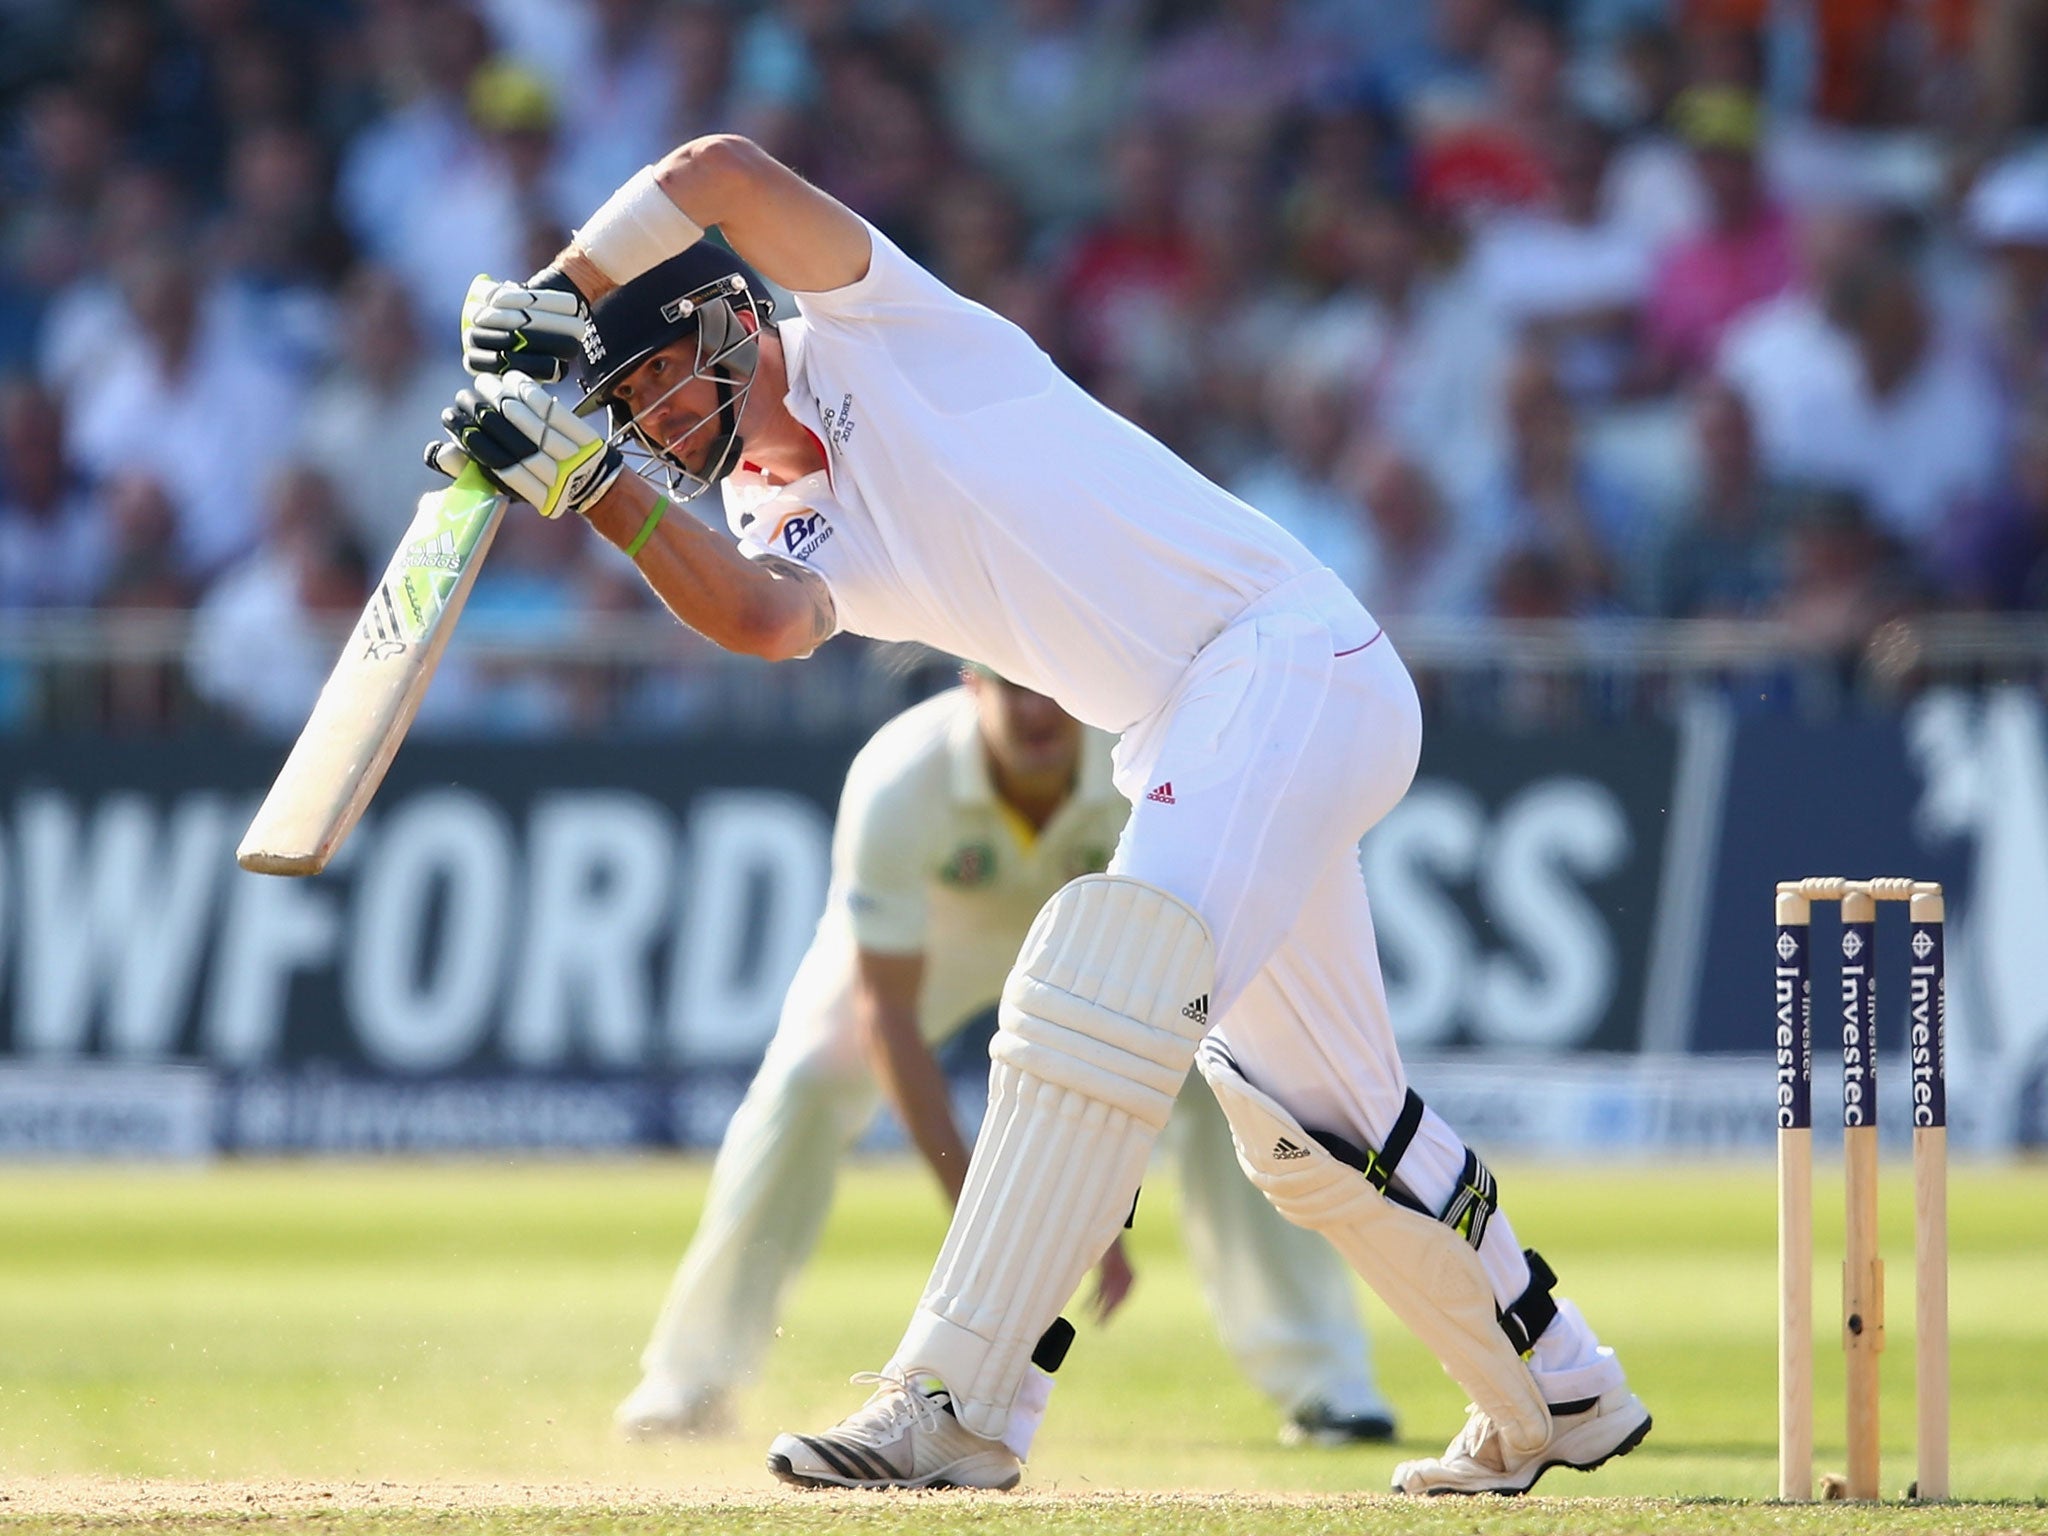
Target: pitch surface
{"x": 425, "y": 1347}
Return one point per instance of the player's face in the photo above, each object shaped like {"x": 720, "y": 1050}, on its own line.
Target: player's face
{"x": 1027, "y": 734}
{"x": 674, "y": 406}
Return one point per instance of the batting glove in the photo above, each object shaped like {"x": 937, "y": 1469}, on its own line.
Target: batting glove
{"x": 531, "y": 444}
{"x": 535, "y": 327}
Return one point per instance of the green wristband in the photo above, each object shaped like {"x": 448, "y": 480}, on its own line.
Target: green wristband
{"x": 647, "y": 528}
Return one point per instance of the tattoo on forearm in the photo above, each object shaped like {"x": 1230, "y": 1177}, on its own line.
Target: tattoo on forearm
{"x": 824, "y": 613}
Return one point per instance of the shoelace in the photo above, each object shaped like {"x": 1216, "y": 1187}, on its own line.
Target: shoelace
{"x": 923, "y": 1412}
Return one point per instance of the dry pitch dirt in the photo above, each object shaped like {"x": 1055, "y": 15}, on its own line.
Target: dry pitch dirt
{"x": 95, "y": 1506}
{"x": 144, "y": 1498}
{"x": 113, "y": 1498}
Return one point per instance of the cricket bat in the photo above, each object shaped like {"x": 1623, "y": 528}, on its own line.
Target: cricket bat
{"x": 371, "y": 696}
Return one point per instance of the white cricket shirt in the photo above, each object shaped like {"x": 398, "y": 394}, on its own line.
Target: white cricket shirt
{"x": 927, "y": 860}
{"x": 976, "y": 499}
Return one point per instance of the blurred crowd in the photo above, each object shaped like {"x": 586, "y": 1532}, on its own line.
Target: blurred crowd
{"x": 1589, "y": 308}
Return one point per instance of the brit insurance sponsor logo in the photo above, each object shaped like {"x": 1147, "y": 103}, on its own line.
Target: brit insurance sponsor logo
{"x": 800, "y": 535}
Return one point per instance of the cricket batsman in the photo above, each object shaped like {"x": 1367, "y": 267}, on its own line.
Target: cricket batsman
{"x": 960, "y": 819}
{"x": 897, "y": 461}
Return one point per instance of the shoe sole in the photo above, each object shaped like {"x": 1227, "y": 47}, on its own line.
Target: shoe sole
{"x": 1634, "y": 1439}
{"x": 780, "y": 1466}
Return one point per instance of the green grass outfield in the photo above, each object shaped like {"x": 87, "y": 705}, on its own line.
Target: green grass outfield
{"x": 399, "y": 1348}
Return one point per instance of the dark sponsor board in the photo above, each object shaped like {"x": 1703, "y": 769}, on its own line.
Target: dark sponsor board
{"x": 586, "y": 945}
{"x": 614, "y": 909}
{"x": 1514, "y": 888}
{"x": 636, "y": 908}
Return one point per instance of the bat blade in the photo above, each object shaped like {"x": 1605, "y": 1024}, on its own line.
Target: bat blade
{"x": 371, "y": 696}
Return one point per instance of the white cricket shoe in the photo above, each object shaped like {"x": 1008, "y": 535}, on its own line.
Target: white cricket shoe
{"x": 661, "y": 1407}
{"x": 1479, "y": 1461}
{"x": 901, "y": 1437}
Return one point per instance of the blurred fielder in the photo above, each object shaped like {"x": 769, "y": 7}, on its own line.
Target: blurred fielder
{"x": 900, "y": 462}
{"x": 959, "y": 820}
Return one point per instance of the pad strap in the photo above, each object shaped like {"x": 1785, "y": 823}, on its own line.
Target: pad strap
{"x": 1531, "y": 1312}
{"x": 1053, "y": 1344}
{"x": 1473, "y": 1200}
{"x": 1379, "y": 1166}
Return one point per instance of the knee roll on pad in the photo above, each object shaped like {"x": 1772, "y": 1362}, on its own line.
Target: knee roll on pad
{"x": 1426, "y": 1271}
{"x": 1098, "y": 1026}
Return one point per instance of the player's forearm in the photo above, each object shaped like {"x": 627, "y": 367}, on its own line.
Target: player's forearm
{"x": 788, "y": 230}
{"x": 911, "y": 1077}
{"x": 702, "y": 579}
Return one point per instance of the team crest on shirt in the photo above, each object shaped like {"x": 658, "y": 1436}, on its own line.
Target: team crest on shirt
{"x": 799, "y": 534}
{"x": 972, "y": 864}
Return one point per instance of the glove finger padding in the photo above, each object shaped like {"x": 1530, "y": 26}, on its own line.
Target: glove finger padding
{"x": 444, "y": 458}
{"x": 531, "y": 444}
{"x": 536, "y": 326}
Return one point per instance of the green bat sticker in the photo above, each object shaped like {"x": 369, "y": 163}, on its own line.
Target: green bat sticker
{"x": 430, "y": 560}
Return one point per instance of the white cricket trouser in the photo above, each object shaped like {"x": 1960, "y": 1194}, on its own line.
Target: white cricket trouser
{"x": 1292, "y": 733}
{"x": 1280, "y": 1296}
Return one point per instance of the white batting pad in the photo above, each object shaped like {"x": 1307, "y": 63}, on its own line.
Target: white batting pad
{"x": 1098, "y": 1025}
{"x": 1427, "y": 1273}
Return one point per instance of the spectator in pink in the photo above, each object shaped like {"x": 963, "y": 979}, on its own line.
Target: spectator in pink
{"x": 1745, "y": 254}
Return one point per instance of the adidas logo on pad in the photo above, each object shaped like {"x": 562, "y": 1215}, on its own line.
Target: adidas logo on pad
{"x": 1163, "y": 793}
{"x": 1287, "y": 1151}
{"x": 1198, "y": 1010}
